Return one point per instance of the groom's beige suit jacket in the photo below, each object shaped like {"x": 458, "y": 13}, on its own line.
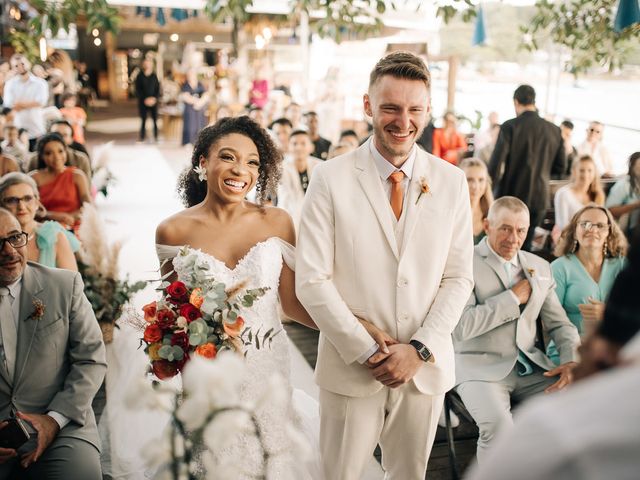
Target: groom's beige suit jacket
{"x": 349, "y": 263}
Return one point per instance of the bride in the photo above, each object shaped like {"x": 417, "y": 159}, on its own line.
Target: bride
{"x": 249, "y": 243}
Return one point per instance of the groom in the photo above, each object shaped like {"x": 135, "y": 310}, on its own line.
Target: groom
{"x": 385, "y": 235}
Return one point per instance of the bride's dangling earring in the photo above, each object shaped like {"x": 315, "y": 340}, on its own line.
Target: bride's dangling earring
{"x": 575, "y": 246}
{"x": 201, "y": 172}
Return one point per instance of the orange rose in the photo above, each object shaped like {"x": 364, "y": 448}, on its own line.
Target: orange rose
{"x": 153, "y": 351}
{"x": 152, "y": 334}
{"x": 150, "y": 310}
{"x": 233, "y": 329}
{"x": 196, "y": 298}
{"x": 208, "y": 350}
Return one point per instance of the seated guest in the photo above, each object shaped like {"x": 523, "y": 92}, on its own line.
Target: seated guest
{"x": 7, "y": 164}
{"x": 624, "y": 197}
{"x": 321, "y": 145}
{"x": 584, "y": 188}
{"x": 296, "y": 174}
{"x": 340, "y": 148}
{"x": 448, "y": 143}
{"x": 496, "y": 356}
{"x": 479, "y": 193}
{"x": 350, "y": 137}
{"x": 282, "y": 128}
{"x": 12, "y": 146}
{"x": 594, "y": 147}
{"x": 75, "y": 115}
{"x": 591, "y": 255}
{"x": 49, "y": 244}
{"x": 566, "y": 130}
{"x": 49, "y": 380}
{"x": 62, "y": 189}
{"x": 75, "y": 158}
{"x": 591, "y": 431}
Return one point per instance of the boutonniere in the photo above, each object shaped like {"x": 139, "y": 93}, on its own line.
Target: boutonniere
{"x": 424, "y": 188}
{"x": 531, "y": 272}
{"x": 38, "y": 309}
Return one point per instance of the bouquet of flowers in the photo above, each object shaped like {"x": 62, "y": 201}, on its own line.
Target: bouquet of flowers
{"x": 197, "y": 315}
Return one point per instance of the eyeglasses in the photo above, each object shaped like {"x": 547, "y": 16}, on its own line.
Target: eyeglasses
{"x": 590, "y": 225}
{"x": 15, "y": 201}
{"x": 16, "y": 240}
{"x": 595, "y": 130}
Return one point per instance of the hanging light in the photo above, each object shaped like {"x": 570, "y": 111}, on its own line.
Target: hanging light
{"x": 95, "y": 32}
{"x": 174, "y": 37}
{"x": 260, "y": 42}
{"x": 208, "y": 38}
{"x": 43, "y": 49}
{"x": 97, "y": 42}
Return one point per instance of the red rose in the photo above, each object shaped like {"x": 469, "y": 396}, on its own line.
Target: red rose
{"x": 164, "y": 369}
{"x": 177, "y": 291}
{"x": 180, "y": 339}
{"x": 190, "y": 312}
{"x": 166, "y": 319}
{"x": 153, "y": 333}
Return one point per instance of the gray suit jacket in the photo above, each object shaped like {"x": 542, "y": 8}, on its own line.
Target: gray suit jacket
{"x": 60, "y": 357}
{"x": 492, "y": 329}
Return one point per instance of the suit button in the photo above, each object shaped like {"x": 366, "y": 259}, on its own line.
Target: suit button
{"x": 403, "y": 282}
{"x": 404, "y": 316}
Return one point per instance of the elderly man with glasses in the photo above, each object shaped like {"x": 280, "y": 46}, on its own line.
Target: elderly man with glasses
{"x": 52, "y": 362}
{"x": 26, "y": 95}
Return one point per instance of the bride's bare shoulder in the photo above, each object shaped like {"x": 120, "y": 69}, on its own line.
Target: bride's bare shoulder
{"x": 174, "y": 229}
{"x": 280, "y": 224}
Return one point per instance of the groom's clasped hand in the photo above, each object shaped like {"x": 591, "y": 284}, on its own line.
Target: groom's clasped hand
{"x": 395, "y": 363}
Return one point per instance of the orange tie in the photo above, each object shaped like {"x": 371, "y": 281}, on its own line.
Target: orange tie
{"x": 397, "y": 192}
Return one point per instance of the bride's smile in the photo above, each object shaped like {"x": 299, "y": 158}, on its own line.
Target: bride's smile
{"x": 232, "y": 167}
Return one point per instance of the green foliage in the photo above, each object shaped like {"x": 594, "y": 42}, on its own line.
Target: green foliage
{"x": 585, "y": 28}
{"x": 27, "y": 44}
{"x": 107, "y": 295}
{"x": 60, "y": 14}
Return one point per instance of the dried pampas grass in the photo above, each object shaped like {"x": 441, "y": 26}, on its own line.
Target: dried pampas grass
{"x": 96, "y": 252}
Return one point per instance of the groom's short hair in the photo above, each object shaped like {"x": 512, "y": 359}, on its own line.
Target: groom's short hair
{"x": 401, "y": 64}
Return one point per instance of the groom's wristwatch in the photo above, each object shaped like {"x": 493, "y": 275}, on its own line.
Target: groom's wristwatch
{"x": 423, "y": 352}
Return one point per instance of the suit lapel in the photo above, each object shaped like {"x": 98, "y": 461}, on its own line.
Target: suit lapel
{"x": 370, "y": 182}
{"x": 26, "y": 325}
{"x": 412, "y": 205}
{"x": 493, "y": 262}
{"x": 529, "y": 274}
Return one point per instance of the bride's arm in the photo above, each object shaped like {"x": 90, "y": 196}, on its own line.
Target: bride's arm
{"x": 294, "y": 309}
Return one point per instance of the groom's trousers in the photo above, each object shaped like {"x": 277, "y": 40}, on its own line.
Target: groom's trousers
{"x": 402, "y": 420}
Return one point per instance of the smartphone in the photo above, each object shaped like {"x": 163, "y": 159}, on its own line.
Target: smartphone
{"x": 14, "y": 434}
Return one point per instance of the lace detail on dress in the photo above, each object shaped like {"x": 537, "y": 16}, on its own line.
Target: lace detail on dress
{"x": 260, "y": 267}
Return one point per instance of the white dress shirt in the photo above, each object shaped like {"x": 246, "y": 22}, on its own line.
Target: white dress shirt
{"x": 14, "y": 295}
{"x": 385, "y": 169}
{"x": 36, "y": 89}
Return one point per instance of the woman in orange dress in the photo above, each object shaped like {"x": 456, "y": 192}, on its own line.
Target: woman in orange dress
{"x": 448, "y": 143}
{"x": 63, "y": 189}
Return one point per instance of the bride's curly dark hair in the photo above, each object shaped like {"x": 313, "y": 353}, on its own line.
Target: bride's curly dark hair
{"x": 192, "y": 191}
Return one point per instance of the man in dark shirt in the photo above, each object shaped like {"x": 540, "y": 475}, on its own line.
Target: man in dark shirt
{"x": 148, "y": 92}
{"x": 528, "y": 151}
{"x": 321, "y": 145}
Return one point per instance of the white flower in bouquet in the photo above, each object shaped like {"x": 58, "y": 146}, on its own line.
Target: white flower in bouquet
{"x": 141, "y": 394}
{"x": 224, "y": 427}
{"x": 219, "y": 381}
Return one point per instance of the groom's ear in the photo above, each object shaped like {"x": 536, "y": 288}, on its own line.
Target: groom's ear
{"x": 366, "y": 101}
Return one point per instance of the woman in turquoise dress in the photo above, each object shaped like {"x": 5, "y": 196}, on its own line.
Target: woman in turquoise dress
{"x": 49, "y": 243}
{"x": 480, "y": 195}
{"x": 591, "y": 253}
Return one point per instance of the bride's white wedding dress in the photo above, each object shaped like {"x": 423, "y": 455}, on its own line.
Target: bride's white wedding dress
{"x": 261, "y": 267}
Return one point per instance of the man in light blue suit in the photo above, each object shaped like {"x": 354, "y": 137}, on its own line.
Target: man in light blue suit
{"x": 497, "y": 358}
